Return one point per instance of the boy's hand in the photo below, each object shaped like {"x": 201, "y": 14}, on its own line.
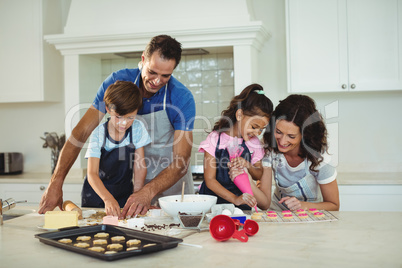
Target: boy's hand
{"x": 112, "y": 207}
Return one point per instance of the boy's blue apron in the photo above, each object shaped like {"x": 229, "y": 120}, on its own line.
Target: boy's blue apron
{"x": 306, "y": 189}
{"x": 116, "y": 173}
{"x": 222, "y": 173}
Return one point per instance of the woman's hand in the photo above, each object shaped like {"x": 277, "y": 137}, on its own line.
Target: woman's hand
{"x": 239, "y": 162}
{"x": 291, "y": 202}
{"x": 234, "y": 172}
{"x": 112, "y": 207}
{"x": 246, "y": 199}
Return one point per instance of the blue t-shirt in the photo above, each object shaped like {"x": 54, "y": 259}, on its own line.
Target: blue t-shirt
{"x": 139, "y": 135}
{"x": 180, "y": 105}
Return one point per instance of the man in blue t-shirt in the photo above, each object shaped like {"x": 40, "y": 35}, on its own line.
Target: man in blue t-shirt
{"x": 168, "y": 113}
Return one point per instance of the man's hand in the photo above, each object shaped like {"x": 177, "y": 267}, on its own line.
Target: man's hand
{"x": 52, "y": 197}
{"x": 137, "y": 204}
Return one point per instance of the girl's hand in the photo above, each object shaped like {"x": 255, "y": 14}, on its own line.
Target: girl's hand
{"x": 112, "y": 207}
{"x": 246, "y": 199}
{"x": 291, "y": 202}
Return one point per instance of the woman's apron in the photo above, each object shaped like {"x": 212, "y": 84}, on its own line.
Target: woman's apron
{"x": 116, "y": 173}
{"x": 159, "y": 153}
{"x": 222, "y": 173}
{"x": 306, "y": 189}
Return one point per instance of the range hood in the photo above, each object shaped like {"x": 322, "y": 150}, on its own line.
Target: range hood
{"x": 121, "y": 26}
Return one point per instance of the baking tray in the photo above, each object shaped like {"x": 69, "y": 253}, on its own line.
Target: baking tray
{"x": 160, "y": 242}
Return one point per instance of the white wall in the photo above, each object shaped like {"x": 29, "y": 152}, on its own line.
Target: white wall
{"x": 22, "y": 125}
{"x": 369, "y": 123}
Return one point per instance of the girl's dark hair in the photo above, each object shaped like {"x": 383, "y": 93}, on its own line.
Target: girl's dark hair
{"x": 251, "y": 100}
{"x": 301, "y": 110}
{"x": 123, "y": 97}
{"x": 167, "y": 47}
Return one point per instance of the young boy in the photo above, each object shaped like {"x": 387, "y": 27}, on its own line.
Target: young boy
{"x": 116, "y": 164}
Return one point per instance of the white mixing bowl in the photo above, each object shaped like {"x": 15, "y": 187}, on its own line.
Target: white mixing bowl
{"x": 172, "y": 204}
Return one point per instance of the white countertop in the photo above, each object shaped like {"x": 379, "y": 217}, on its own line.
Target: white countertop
{"x": 358, "y": 239}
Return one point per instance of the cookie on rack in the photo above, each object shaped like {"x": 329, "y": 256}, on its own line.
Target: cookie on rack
{"x": 287, "y": 216}
{"x": 319, "y": 215}
{"x": 312, "y": 210}
{"x": 300, "y": 211}
{"x": 256, "y": 216}
{"x": 272, "y": 216}
{"x": 302, "y": 215}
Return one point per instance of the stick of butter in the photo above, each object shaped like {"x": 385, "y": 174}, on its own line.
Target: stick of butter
{"x": 60, "y": 219}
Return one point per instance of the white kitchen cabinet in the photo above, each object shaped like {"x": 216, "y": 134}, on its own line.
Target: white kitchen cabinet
{"x": 30, "y": 69}
{"x": 32, "y": 192}
{"x": 344, "y": 45}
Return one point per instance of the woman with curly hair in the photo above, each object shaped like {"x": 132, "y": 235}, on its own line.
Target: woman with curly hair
{"x": 296, "y": 141}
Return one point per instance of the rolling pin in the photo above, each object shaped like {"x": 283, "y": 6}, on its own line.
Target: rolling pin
{"x": 70, "y": 206}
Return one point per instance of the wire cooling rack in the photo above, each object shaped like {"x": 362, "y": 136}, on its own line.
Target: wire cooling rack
{"x": 328, "y": 216}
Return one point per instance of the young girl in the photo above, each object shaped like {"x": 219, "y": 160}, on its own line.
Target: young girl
{"x": 245, "y": 118}
{"x": 116, "y": 151}
{"x": 296, "y": 148}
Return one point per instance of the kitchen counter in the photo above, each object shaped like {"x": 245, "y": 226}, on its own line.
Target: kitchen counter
{"x": 358, "y": 239}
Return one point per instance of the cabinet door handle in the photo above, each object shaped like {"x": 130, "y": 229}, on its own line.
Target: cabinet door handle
{"x": 42, "y": 188}
{"x": 352, "y": 86}
{"x": 344, "y": 86}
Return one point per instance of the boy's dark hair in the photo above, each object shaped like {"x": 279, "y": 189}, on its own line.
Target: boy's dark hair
{"x": 167, "y": 47}
{"x": 123, "y": 97}
{"x": 301, "y": 110}
{"x": 251, "y": 100}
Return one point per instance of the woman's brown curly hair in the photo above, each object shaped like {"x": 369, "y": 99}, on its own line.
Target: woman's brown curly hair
{"x": 301, "y": 110}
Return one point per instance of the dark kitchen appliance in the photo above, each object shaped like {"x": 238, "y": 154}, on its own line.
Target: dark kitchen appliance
{"x": 11, "y": 163}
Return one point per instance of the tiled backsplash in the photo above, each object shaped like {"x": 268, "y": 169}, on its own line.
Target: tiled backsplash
{"x": 211, "y": 80}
